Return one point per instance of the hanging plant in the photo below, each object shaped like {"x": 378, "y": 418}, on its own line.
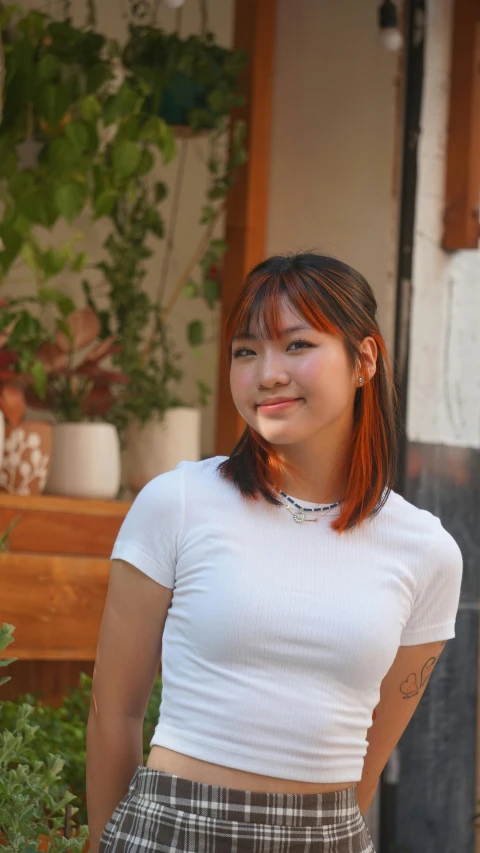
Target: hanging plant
{"x": 48, "y": 134}
{"x": 193, "y": 82}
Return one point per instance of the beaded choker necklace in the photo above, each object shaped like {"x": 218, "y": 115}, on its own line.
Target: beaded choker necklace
{"x": 300, "y": 513}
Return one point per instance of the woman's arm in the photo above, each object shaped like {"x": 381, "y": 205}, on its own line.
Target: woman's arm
{"x": 128, "y": 658}
{"x": 400, "y": 692}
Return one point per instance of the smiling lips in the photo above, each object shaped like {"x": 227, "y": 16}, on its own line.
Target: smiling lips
{"x": 277, "y": 404}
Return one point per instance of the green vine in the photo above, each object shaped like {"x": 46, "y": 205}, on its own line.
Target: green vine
{"x": 74, "y": 137}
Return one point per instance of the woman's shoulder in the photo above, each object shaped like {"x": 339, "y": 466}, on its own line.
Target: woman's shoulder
{"x": 168, "y": 495}
{"x": 205, "y": 467}
{"x": 411, "y": 521}
{"x": 186, "y": 477}
{"x": 396, "y": 506}
{"x": 205, "y": 473}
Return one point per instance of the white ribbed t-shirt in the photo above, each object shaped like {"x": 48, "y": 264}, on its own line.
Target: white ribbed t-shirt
{"x": 279, "y": 634}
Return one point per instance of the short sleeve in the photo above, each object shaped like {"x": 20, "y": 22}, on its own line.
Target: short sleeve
{"x": 150, "y": 535}
{"x": 437, "y": 594}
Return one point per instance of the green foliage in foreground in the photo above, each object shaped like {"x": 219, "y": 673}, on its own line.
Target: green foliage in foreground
{"x": 62, "y": 731}
{"x": 33, "y": 796}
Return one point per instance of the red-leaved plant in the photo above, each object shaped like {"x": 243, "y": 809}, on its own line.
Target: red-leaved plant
{"x": 12, "y": 381}
{"x": 78, "y": 388}
{"x": 12, "y": 395}
{"x": 21, "y": 336}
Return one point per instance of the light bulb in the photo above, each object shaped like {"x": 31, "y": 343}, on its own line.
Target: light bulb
{"x": 173, "y": 4}
{"x": 391, "y": 38}
{"x": 390, "y": 35}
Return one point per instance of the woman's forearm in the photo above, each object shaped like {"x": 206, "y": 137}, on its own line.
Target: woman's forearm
{"x": 114, "y": 751}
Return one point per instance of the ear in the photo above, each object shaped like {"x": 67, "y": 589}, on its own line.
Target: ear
{"x": 369, "y": 352}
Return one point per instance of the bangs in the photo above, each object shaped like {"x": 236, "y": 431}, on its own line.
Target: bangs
{"x": 258, "y": 310}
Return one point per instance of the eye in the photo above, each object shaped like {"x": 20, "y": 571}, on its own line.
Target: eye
{"x": 302, "y": 344}
{"x": 239, "y": 353}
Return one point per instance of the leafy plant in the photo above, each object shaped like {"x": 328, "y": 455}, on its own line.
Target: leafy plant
{"x": 48, "y": 134}
{"x": 77, "y": 386}
{"x": 63, "y": 730}
{"x": 168, "y": 70}
{"x": 192, "y": 81}
{"x": 33, "y": 801}
{"x": 21, "y": 334}
{"x": 153, "y": 375}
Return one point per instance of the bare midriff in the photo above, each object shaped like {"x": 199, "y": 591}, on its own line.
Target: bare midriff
{"x": 186, "y": 767}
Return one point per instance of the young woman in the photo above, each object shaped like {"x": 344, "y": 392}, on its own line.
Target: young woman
{"x": 301, "y": 603}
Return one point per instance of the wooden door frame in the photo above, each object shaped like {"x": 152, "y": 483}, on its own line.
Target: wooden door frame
{"x": 462, "y": 181}
{"x": 247, "y": 203}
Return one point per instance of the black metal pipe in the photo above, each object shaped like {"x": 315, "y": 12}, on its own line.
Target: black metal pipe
{"x": 415, "y": 20}
{"x": 412, "y": 103}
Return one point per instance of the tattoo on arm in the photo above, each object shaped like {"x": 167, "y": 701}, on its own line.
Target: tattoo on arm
{"x": 411, "y": 686}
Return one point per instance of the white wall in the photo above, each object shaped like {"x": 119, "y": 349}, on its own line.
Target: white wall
{"x": 444, "y": 382}
{"x": 189, "y": 232}
{"x": 332, "y": 170}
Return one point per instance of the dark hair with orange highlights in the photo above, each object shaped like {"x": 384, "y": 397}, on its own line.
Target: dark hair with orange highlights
{"x": 333, "y": 298}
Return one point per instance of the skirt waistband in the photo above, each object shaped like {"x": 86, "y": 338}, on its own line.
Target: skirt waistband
{"x": 215, "y": 801}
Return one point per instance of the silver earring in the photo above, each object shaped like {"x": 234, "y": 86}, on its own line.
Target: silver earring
{"x": 360, "y": 379}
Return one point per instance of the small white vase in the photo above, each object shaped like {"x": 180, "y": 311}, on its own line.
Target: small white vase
{"x": 86, "y": 461}
{"x": 26, "y": 458}
{"x": 160, "y": 445}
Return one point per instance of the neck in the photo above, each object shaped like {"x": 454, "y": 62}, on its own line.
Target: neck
{"x": 319, "y": 477}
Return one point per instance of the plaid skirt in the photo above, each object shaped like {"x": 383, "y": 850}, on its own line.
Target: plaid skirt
{"x": 162, "y": 813}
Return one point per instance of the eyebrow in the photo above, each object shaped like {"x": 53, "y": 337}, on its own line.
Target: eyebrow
{"x": 249, "y": 337}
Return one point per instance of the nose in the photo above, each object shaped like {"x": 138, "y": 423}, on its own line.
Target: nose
{"x": 272, "y": 371}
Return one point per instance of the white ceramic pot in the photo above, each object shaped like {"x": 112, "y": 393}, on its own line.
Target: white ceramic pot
{"x": 160, "y": 445}
{"x": 26, "y": 458}
{"x": 86, "y": 461}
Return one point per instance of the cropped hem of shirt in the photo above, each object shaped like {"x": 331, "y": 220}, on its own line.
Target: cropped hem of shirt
{"x": 141, "y": 560}
{"x": 433, "y": 634}
{"x": 275, "y": 765}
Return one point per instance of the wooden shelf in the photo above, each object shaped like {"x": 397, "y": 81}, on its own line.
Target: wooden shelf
{"x": 56, "y": 503}
{"x": 56, "y": 604}
{"x": 53, "y": 583}
{"x": 57, "y": 525}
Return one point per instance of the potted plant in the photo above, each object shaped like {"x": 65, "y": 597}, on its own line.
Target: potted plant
{"x": 80, "y": 393}
{"x": 161, "y": 429}
{"x": 26, "y": 453}
{"x": 48, "y": 138}
{"x": 157, "y": 427}
{"x": 58, "y": 155}
{"x": 193, "y": 82}
{"x": 25, "y": 325}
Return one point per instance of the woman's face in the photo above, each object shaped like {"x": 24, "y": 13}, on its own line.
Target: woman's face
{"x": 294, "y": 388}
